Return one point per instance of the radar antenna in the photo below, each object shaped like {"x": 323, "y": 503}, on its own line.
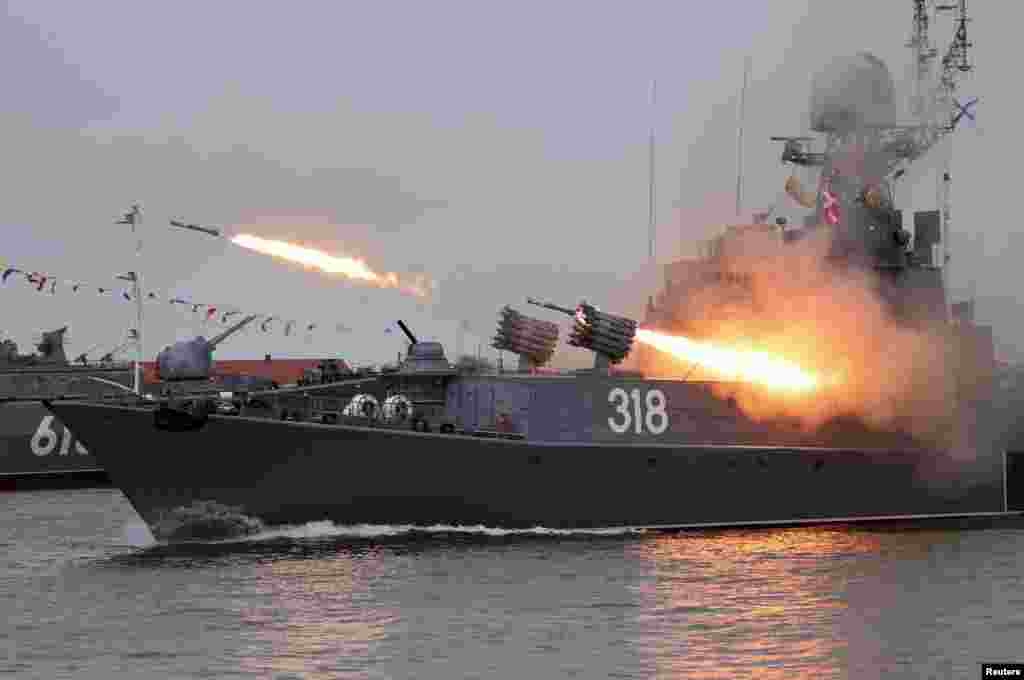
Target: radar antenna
{"x": 935, "y": 104}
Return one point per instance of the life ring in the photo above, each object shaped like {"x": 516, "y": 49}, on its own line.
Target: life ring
{"x": 397, "y": 408}
{"x": 362, "y": 406}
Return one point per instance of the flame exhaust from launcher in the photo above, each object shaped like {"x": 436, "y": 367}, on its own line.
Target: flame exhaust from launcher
{"x": 611, "y": 338}
{"x": 737, "y": 365}
{"x": 349, "y": 267}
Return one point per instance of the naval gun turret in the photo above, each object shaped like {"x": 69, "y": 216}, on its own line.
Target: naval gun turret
{"x": 610, "y": 337}
{"x": 8, "y": 351}
{"x": 50, "y": 348}
{"x": 532, "y": 339}
{"x": 423, "y": 356}
{"x": 416, "y": 392}
{"x": 193, "y": 359}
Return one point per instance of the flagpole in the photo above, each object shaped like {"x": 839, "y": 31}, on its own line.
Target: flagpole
{"x": 139, "y": 353}
{"x": 134, "y": 218}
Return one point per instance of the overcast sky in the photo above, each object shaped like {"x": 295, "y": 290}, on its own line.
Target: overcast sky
{"x": 498, "y": 147}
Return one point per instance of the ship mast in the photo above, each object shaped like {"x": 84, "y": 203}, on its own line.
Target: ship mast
{"x": 741, "y": 119}
{"x": 134, "y": 218}
{"x": 933, "y": 105}
{"x": 651, "y": 228}
{"x": 924, "y": 53}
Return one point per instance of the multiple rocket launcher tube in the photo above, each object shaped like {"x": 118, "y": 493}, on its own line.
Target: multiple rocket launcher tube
{"x": 607, "y": 335}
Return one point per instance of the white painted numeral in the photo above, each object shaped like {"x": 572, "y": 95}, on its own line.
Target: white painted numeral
{"x": 655, "y": 419}
{"x": 638, "y": 416}
{"x": 45, "y": 440}
{"x": 618, "y": 394}
{"x": 65, "y": 444}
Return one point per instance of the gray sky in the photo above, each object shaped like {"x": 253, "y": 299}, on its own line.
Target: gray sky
{"x": 500, "y": 148}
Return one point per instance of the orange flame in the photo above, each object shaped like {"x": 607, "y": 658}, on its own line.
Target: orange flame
{"x": 350, "y": 267}
{"x": 787, "y": 335}
{"x": 734, "y": 364}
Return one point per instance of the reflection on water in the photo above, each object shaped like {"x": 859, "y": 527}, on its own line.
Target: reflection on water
{"x": 320, "y": 616}
{"x": 81, "y": 601}
{"x": 762, "y": 603}
{"x": 827, "y": 602}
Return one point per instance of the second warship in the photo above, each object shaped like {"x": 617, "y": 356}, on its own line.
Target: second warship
{"x": 36, "y": 449}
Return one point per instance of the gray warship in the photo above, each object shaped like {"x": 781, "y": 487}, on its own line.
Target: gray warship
{"x": 36, "y": 449}
{"x": 428, "y": 444}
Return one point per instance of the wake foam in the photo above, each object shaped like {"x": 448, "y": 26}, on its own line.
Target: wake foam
{"x": 204, "y": 521}
{"x": 326, "y": 529}
{"x": 314, "y": 531}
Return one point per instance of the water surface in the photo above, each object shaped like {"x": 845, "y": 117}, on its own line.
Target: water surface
{"x": 86, "y": 593}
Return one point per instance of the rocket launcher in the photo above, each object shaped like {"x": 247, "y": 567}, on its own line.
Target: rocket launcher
{"x": 193, "y": 359}
{"x": 532, "y": 339}
{"x": 607, "y": 335}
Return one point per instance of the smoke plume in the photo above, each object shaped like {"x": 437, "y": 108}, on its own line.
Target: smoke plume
{"x": 788, "y": 300}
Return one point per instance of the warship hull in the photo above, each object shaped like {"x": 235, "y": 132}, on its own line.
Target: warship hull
{"x": 576, "y": 468}
{"x": 38, "y": 451}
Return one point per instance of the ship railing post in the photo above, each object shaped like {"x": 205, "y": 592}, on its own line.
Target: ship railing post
{"x": 1006, "y": 471}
